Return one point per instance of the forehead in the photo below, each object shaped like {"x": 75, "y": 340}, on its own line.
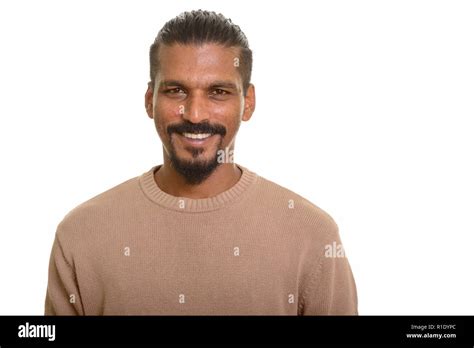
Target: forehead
{"x": 198, "y": 63}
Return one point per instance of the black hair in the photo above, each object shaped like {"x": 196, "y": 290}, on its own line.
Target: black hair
{"x": 199, "y": 27}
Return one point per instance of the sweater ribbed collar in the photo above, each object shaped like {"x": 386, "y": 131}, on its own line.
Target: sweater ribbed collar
{"x": 184, "y": 204}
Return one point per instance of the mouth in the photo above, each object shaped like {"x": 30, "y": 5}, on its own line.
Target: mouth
{"x": 196, "y": 139}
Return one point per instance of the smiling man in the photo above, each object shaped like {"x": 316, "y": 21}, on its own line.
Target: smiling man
{"x": 197, "y": 98}
{"x": 199, "y": 234}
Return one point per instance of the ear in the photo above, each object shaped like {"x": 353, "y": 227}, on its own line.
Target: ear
{"x": 149, "y": 100}
{"x": 249, "y": 106}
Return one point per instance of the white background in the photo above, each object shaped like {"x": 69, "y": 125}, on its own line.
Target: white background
{"x": 363, "y": 107}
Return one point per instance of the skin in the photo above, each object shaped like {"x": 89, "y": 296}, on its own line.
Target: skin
{"x": 189, "y": 86}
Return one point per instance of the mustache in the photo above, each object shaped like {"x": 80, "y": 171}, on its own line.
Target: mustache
{"x": 189, "y": 127}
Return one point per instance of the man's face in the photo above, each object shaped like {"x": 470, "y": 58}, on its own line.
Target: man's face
{"x": 197, "y": 104}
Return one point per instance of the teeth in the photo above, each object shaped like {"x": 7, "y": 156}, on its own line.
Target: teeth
{"x": 197, "y": 136}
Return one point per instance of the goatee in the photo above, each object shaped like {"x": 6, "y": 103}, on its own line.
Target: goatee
{"x": 194, "y": 171}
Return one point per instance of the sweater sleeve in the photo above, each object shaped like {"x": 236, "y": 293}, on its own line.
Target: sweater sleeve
{"x": 62, "y": 294}
{"x": 331, "y": 288}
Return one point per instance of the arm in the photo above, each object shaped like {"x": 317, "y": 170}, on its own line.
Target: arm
{"x": 331, "y": 288}
{"x": 332, "y": 291}
{"x": 62, "y": 295}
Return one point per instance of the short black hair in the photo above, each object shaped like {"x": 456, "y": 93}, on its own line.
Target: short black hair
{"x": 199, "y": 27}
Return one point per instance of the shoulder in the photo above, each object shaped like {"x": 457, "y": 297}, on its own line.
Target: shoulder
{"x": 308, "y": 217}
{"x": 98, "y": 210}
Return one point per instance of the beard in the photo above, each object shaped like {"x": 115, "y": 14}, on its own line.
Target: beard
{"x": 196, "y": 170}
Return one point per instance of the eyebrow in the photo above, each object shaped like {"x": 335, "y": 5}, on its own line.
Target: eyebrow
{"x": 214, "y": 84}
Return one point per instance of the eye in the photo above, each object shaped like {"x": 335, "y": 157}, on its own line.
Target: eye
{"x": 176, "y": 90}
{"x": 219, "y": 91}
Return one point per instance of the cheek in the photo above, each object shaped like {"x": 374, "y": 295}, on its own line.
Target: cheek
{"x": 229, "y": 114}
{"x": 233, "y": 129}
{"x": 165, "y": 114}
{"x": 231, "y": 119}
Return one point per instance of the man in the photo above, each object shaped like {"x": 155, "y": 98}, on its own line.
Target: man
{"x": 199, "y": 234}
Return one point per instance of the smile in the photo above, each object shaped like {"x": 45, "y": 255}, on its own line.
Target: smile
{"x": 198, "y": 136}
{"x": 196, "y": 139}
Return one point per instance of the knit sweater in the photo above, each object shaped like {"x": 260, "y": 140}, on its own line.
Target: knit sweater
{"x": 254, "y": 249}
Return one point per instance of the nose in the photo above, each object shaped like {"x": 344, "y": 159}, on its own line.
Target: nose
{"x": 194, "y": 109}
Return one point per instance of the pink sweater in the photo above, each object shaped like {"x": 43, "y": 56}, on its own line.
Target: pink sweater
{"x": 255, "y": 249}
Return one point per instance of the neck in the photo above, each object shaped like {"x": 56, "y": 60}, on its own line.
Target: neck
{"x": 170, "y": 181}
